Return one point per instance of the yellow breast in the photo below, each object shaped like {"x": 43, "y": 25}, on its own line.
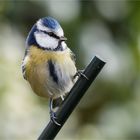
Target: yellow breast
{"x": 36, "y": 69}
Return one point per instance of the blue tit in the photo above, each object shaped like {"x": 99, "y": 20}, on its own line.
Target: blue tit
{"x": 48, "y": 64}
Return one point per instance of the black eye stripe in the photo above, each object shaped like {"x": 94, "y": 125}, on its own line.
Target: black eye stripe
{"x": 51, "y": 34}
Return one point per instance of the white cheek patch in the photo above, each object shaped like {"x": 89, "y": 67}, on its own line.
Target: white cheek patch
{"x": 45, "y": 40}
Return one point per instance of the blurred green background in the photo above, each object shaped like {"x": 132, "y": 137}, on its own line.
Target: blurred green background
{"x": 108, "y": 28}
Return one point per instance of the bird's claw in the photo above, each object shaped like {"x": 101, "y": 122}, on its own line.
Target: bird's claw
{"x": 53, "y": 118}
{"x": 80, "y": 73}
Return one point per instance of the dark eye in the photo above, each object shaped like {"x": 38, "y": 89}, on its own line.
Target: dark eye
{"x": 51, "y": 34}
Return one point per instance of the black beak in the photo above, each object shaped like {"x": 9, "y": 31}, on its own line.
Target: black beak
{"x": 62, "y": 38}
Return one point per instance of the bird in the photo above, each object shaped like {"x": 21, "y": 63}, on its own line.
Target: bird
{"x": 49, "y": 64}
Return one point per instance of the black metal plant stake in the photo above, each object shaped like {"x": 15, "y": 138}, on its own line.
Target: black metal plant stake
{"x": 75, "y": 95}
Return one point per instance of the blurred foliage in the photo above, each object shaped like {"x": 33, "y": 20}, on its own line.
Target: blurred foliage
{"x": 108, "y": 28}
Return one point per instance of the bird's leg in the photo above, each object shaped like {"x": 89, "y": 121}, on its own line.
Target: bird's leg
{"x": 52, "y": 113}
{"x": 80, "y": 73}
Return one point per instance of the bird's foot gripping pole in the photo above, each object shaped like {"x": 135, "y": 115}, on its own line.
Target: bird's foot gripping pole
{"x": 80, "y": 73}
{"x": 53, "y": 117}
